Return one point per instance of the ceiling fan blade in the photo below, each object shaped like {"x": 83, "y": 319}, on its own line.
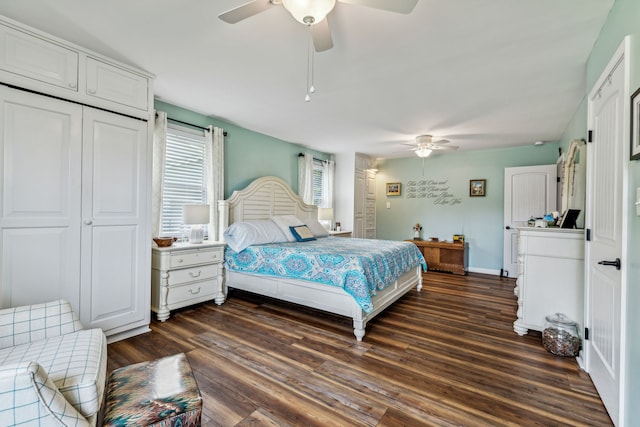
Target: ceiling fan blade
{"x": 441, "y": 141}
{"x": 443, "y": 147}
{"x": 398, "y": 6}
{"x": 321, "y": 34}
{"x": 245, "y": 11}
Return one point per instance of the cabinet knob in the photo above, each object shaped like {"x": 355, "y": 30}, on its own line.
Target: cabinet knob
{"x": 507, "y": 228}
{"x": 87, "y": 222}
{"x": 92, "y": 91}
{"x": 73, "y": 85}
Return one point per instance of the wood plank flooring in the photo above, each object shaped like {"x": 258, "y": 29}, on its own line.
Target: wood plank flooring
{"x": 446, "y": 356}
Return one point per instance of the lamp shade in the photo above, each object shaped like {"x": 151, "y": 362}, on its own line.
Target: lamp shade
{"x": 309, "y": 11}
{"x": 195, "y": 214}
{"x": 325, "y": 214}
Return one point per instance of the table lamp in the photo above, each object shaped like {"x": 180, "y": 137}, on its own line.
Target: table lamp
{"x": 195, "y": 216}
{"x": 326, "y": 215}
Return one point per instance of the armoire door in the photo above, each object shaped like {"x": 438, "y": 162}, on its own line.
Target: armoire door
{"x": 114, "y": 266}
{"x": 40, "y": 161}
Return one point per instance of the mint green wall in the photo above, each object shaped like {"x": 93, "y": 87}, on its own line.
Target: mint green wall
{"x": 247, "y": 155}
{"x": 480, "y": 219}
{"x": 624, "y": 19}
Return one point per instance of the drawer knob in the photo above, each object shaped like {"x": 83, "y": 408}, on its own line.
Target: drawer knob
{"x": 180, "y": 260}
{"x": 192, "y": 292}
{"x": 192, "y": 274}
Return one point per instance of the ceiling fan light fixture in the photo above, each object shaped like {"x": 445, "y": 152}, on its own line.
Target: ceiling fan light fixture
{"x": 308, "y": 12}
{"x": 424, "y": 152}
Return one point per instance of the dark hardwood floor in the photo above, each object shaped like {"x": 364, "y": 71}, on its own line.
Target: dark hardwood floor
{"x": 446, "y": 356}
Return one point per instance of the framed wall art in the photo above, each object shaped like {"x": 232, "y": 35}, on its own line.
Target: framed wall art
{"x": 393, "y": 188}
{"x": 477, "y": 187}
{"x": 635, "y": 125}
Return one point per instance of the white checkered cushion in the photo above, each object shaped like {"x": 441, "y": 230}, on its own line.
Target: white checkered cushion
{"x": 51, "y": 371}
{"x": 76, "y": 363}
{"x": 24, "y": 324}
{"x": 28, "y": 397}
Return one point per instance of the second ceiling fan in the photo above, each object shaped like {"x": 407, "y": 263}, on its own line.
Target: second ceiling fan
{"x": 313, "y": 13}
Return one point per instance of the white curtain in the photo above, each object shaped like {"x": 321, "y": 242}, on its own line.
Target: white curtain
{"x": 305, "y": 178}
{"x": 157, "y": 177}
{"x": 214, "y": 145}
{"x": 329, "y": 173}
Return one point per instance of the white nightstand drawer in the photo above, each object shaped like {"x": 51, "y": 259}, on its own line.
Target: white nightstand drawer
{"x": 186, "y": 275}
{"x": 183, "y": 259}
{"x": 197, "y": 290}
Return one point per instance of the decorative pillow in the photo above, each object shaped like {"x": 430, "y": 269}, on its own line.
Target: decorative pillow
{"x": 317, "y": 229}
{"x": 286, "y": 221}
{"x": 302, "y": 233}
{"x": 239, "y": 235}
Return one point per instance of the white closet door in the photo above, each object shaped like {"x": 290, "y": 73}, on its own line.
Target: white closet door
{"x": 115, "y": 241}
{"x": 40, "y": 150}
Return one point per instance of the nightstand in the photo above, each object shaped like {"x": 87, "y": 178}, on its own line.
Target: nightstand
{"x": 340, "y": 233}
{"x": 185, "y": 274}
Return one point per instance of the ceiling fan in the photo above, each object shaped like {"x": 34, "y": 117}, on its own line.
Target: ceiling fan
{"x": 426, "y": 145}
{"x": 313, "y": 13}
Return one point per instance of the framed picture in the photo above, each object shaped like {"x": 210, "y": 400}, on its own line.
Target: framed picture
{"x": 393, "y": 188}
{"x": 477, "y": 187}
{"x": 635, "y": 124}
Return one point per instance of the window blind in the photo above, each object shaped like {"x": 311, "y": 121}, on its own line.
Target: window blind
{"x": 318, "y": 183}
{"x": 184, "y": 178}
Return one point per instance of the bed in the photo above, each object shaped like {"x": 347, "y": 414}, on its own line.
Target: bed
{"x": 270, "y": 198}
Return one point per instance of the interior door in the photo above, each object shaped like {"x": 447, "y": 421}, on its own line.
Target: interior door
{"x": 529, "y": 191}
{"x": 605, "y": 207}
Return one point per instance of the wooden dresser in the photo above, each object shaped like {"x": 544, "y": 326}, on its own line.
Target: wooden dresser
{"x": 445, "y": 256}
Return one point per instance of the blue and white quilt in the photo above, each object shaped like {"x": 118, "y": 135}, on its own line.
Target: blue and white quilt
{"x": 360, "y": 266}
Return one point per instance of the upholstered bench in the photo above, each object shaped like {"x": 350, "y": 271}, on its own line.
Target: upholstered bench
{"x": 162, "y": 393}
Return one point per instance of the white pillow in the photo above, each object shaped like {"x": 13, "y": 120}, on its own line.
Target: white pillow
{"x": 286, "y": 221}
{"x": 239, "y": 235}
{"x": 316, "y": 228}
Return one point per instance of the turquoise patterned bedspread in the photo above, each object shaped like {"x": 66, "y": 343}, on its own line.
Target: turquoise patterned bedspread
{"x": 360, "y": 266}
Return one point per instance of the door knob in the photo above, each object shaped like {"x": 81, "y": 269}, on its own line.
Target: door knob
{"x": 615, "y": 263}
{"x": 508, "y": 227}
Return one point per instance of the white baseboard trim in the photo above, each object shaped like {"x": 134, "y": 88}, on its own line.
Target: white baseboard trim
{"x": 483, "y": 271}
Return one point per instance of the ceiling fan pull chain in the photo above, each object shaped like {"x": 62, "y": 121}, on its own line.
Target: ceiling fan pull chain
{"x": 310, "y": 49}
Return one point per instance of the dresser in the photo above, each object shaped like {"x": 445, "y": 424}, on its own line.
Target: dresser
{"x": 550, "y": 276}
{"x": 185, "y": 274}
{"x": 445, "y": 256}
{"x": 340, "y": 233}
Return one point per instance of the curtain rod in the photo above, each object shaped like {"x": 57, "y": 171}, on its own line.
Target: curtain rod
{"x": 315, "y": 158}
{"x": 191, "y": 124}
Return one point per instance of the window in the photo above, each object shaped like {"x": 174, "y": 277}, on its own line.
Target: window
{"x": 184, "y": 177}
{"x": 319, "y": 182}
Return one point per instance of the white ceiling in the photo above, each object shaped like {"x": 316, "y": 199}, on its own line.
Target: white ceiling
{"x": 481, "y": 73}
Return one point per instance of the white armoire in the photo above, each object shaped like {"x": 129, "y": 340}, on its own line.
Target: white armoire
{"x": 355, "y": 196}
{"x": 75, "y": 159}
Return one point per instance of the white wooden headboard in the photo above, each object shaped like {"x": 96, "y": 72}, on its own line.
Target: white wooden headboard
{"x": 262, "y": 199}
